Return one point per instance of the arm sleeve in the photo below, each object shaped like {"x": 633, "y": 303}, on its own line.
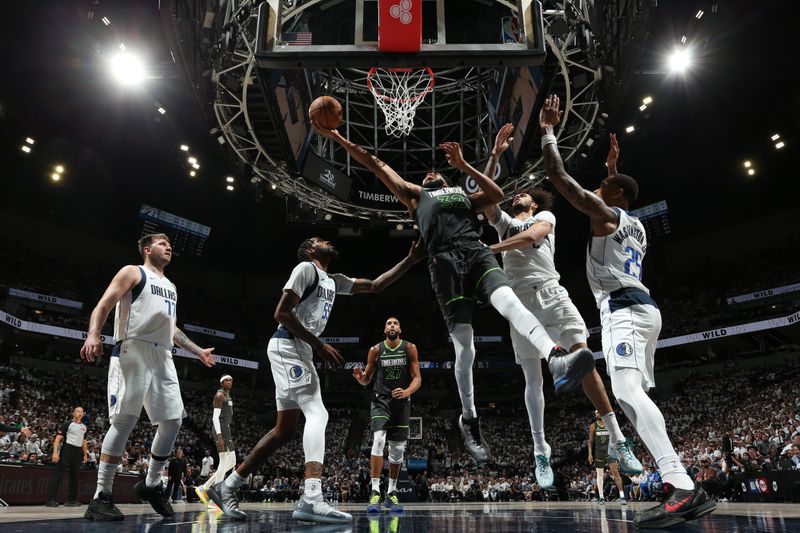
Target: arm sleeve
{"x": 301, "y": 278}
{"x": 546, "y": 216}
{"x": 215, "y": 420}
{"x": 502, "y": 224}
{"x": 63, "y": 429}
{"x": 344, "y": 285}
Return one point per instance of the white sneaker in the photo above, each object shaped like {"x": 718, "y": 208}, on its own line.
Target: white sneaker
{"x": 622, "y": 451}
{"x": 319, "y": 511}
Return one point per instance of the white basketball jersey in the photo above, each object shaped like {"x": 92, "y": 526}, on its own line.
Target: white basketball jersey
{"x": 615, "y": 261}
{"x": 534, "y": 264}
{"x": 147, "y": 312}
{"x": 317, "y": 291}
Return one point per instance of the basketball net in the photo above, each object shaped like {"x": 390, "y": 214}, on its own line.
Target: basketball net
{"x": 398, "y": 92}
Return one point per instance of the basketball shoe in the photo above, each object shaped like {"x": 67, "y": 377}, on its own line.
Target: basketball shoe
{"x": 678, "y": 506}
{"x": 569, "y": 368}
{"x": 473, "y": 439}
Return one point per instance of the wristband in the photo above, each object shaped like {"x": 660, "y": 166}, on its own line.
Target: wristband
{"x": 548, "y": 138}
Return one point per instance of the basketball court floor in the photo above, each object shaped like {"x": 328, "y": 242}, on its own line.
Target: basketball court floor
{"x": 561, "y": 517}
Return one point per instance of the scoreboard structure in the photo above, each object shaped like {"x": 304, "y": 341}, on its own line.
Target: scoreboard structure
{"x": 186, "y": 236}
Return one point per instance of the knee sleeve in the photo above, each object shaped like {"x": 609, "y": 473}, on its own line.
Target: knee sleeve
{"x": 117, "y": 435}
{"x": 378, "y": 442}
{"x": 165, "y": 437}
{"x": 396, "y": 450}
{"x": 464, "y": 346}
{"x": 314, "y": 431}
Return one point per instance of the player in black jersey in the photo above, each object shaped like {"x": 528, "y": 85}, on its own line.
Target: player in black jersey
{"x": 464, "y": 271}
{"x": 396, "y": 363}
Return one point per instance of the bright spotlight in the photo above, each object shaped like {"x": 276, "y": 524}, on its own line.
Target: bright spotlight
{"x": 229, "y": 187}
{"x": 779, "y": 145}
{"x": 328, "y": 216}
{"x": 192, "y": 160}
{"x": 25, "y": 148}
{"x": 184, "y": 148}
{"x": 647, "y": 100}
{"x": 192, "y": 173}
{"x": 751, "y": 172}
{"x": 680, "y": 60}
{"x": 60, "y": 169}
{"x": 399, "y": 227}
{"x": 274, "y": 186}
{"x": 31, "y": 141}
{"x": 774, "y": 137}
{"x": 106, "y": 21}
{"x": 642, "y": 107}
{"x": 162, "y": 110}
{"x": 55, "y": 176}
{"x": 629, "y": 129}
{"x": 127, "y": 69}
{"x": 195, "y": 166}
{"x": 699, "y": 14}
{"x": 229, "y": 179}
{"x": 747, "y": 164}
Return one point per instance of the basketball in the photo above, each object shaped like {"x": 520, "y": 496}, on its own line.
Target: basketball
{"x": 326, "y": 111}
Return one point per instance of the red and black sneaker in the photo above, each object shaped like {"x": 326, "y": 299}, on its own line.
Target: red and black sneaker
{"x": 678, "y": 506}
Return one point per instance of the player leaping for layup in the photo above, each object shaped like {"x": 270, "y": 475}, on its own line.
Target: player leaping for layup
{"x": 629, "y": 317}
{"x": 463, "y": 270}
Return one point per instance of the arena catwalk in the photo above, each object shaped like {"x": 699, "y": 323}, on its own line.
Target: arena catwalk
{"x": 439, "y": 518}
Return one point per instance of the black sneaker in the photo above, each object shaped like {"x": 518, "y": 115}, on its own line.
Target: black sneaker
{"x": 678, "y": 506}
{"x": 154, "y": 496}
{"x": 473, "y": 439}
{"x": 569, "y": 369}
{"x": 72, "y": 503}
{"x": 102, "y": 509}
{"x": 52, "y": 503}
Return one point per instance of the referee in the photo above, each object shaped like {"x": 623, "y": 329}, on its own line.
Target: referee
{"x": 74, "y": 453}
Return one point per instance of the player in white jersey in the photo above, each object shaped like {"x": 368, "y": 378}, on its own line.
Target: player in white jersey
{"x": 528, "y": 245}
{"x": 141, "y": 371}
{"x": 302, "y": 313}
{"x": 630, "y": 318}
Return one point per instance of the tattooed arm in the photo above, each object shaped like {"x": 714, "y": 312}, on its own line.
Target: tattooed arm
{"x": 204, "y": 354}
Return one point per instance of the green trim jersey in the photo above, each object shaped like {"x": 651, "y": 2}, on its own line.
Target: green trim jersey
{"x": 445, "y": 217}
{"x": 600, "y": 438}
{"x": 392, "y": 371}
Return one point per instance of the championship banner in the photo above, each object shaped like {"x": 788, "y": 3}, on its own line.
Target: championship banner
{"x": 729, "y": 331}
{"x": 66, "y": 333}
{"x": 45, "y": 298}
{"x": 209, "y": 331}
{"x": 758, "y": 295}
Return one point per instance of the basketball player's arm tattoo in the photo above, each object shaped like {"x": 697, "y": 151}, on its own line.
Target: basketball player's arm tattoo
{"x": 524, "y": 239}
{"x": 180, "y": 339}
{"x": 584, "y": 201}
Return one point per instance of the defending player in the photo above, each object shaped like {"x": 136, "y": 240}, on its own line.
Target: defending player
{"x": 527, "y": 242}
{"x": 463, "y": 270}
{"x": 302, "y": 312}
{"x": 221, "y": 419}
{"x": 397, "y": 364}
{"x": 141, "y": 371}
{"x": 599, "y": 456}
{"x": 629, "y": 317}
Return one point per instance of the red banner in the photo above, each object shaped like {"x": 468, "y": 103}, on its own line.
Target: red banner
{"x": 400, "y": 25}
{"x": 28, "y": 484}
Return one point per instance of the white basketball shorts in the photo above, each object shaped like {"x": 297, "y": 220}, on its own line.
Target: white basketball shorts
{"x": 143, "y": 374}
{"x": 551, "y": 305}
{"x": 296, "y": 380}
{"x": 630, "y": 333}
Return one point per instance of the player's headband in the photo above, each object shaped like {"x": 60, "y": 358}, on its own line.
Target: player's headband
{"x": 226, "y": 376}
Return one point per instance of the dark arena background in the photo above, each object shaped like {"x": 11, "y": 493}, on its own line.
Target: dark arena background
{"x": 189, "y": 117}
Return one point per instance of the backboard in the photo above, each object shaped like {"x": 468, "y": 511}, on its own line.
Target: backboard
{"x": 345, "y": 33}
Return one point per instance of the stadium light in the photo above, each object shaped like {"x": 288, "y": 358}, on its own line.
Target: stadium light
{"x": 229, "y": 187}
{"x": 55, "y": 176}
{"x": 106, "y": 21}
{"x": 647, "y": 100}
{"x": 680, "y": 60}
{"x": 60, "y": 169}
{"x": 700, "y": 14}
{"x": 751, "y": 172}
{"x": 747, "y": 164}
{"x": 774, "y": 137}
{"x": 779, "y": 145}
{"x": 229, "y": 179}
{"x": 629, "y": 129}
{"x": 192, "y": 160}
{"x": 195, "y": 166}
{"x": 328, "y": 216}
{"x": 399, "y": 227}
{"x": 162, "y": 110}
{"x": 30, "y": 141}
{"x": 274, "y": 186}
{"x": 184, "y": 148}
{"x": 127, "y": 69}
{"x": 642, "y": 107}
{"x": 193, "y": 173}
{"x": 683, "y": 40}
{"x": 25, "y": 148}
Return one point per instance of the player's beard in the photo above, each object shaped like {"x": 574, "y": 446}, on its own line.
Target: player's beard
{"x": 438, "y": 183}
{"x": 331, "y": 254}
{"x": 520, "y": 208}
{"x": 392, "y": 335}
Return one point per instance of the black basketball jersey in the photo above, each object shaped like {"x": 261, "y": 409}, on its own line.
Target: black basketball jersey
{"x": 600, "y": 437}
{"x": 226, "y": 413}
{"x": 392, "y": 368}
{"x": 444, "y": 217}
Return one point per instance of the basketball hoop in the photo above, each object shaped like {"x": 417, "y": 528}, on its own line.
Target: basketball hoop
{"x": 398, "y": 92}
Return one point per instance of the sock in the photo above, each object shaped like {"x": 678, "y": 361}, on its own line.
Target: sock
{"x": 465, "y": 357}
{"x": 313, "y": 488}
{"x": 376, "y": 484}
{"x": 154, "y": 472}
{"x": 234, "y": 481}
{"x": 649, "y": 423}
{"x": 534, "y": 403}
{"x": 105, "y": 477}
{"x": 507, "y": 304}
{"x": 392, "y": 485}
{"x": 615, "y": 434}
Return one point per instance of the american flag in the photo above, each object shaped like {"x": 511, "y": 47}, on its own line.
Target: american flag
{"x": 302, "y": 38}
